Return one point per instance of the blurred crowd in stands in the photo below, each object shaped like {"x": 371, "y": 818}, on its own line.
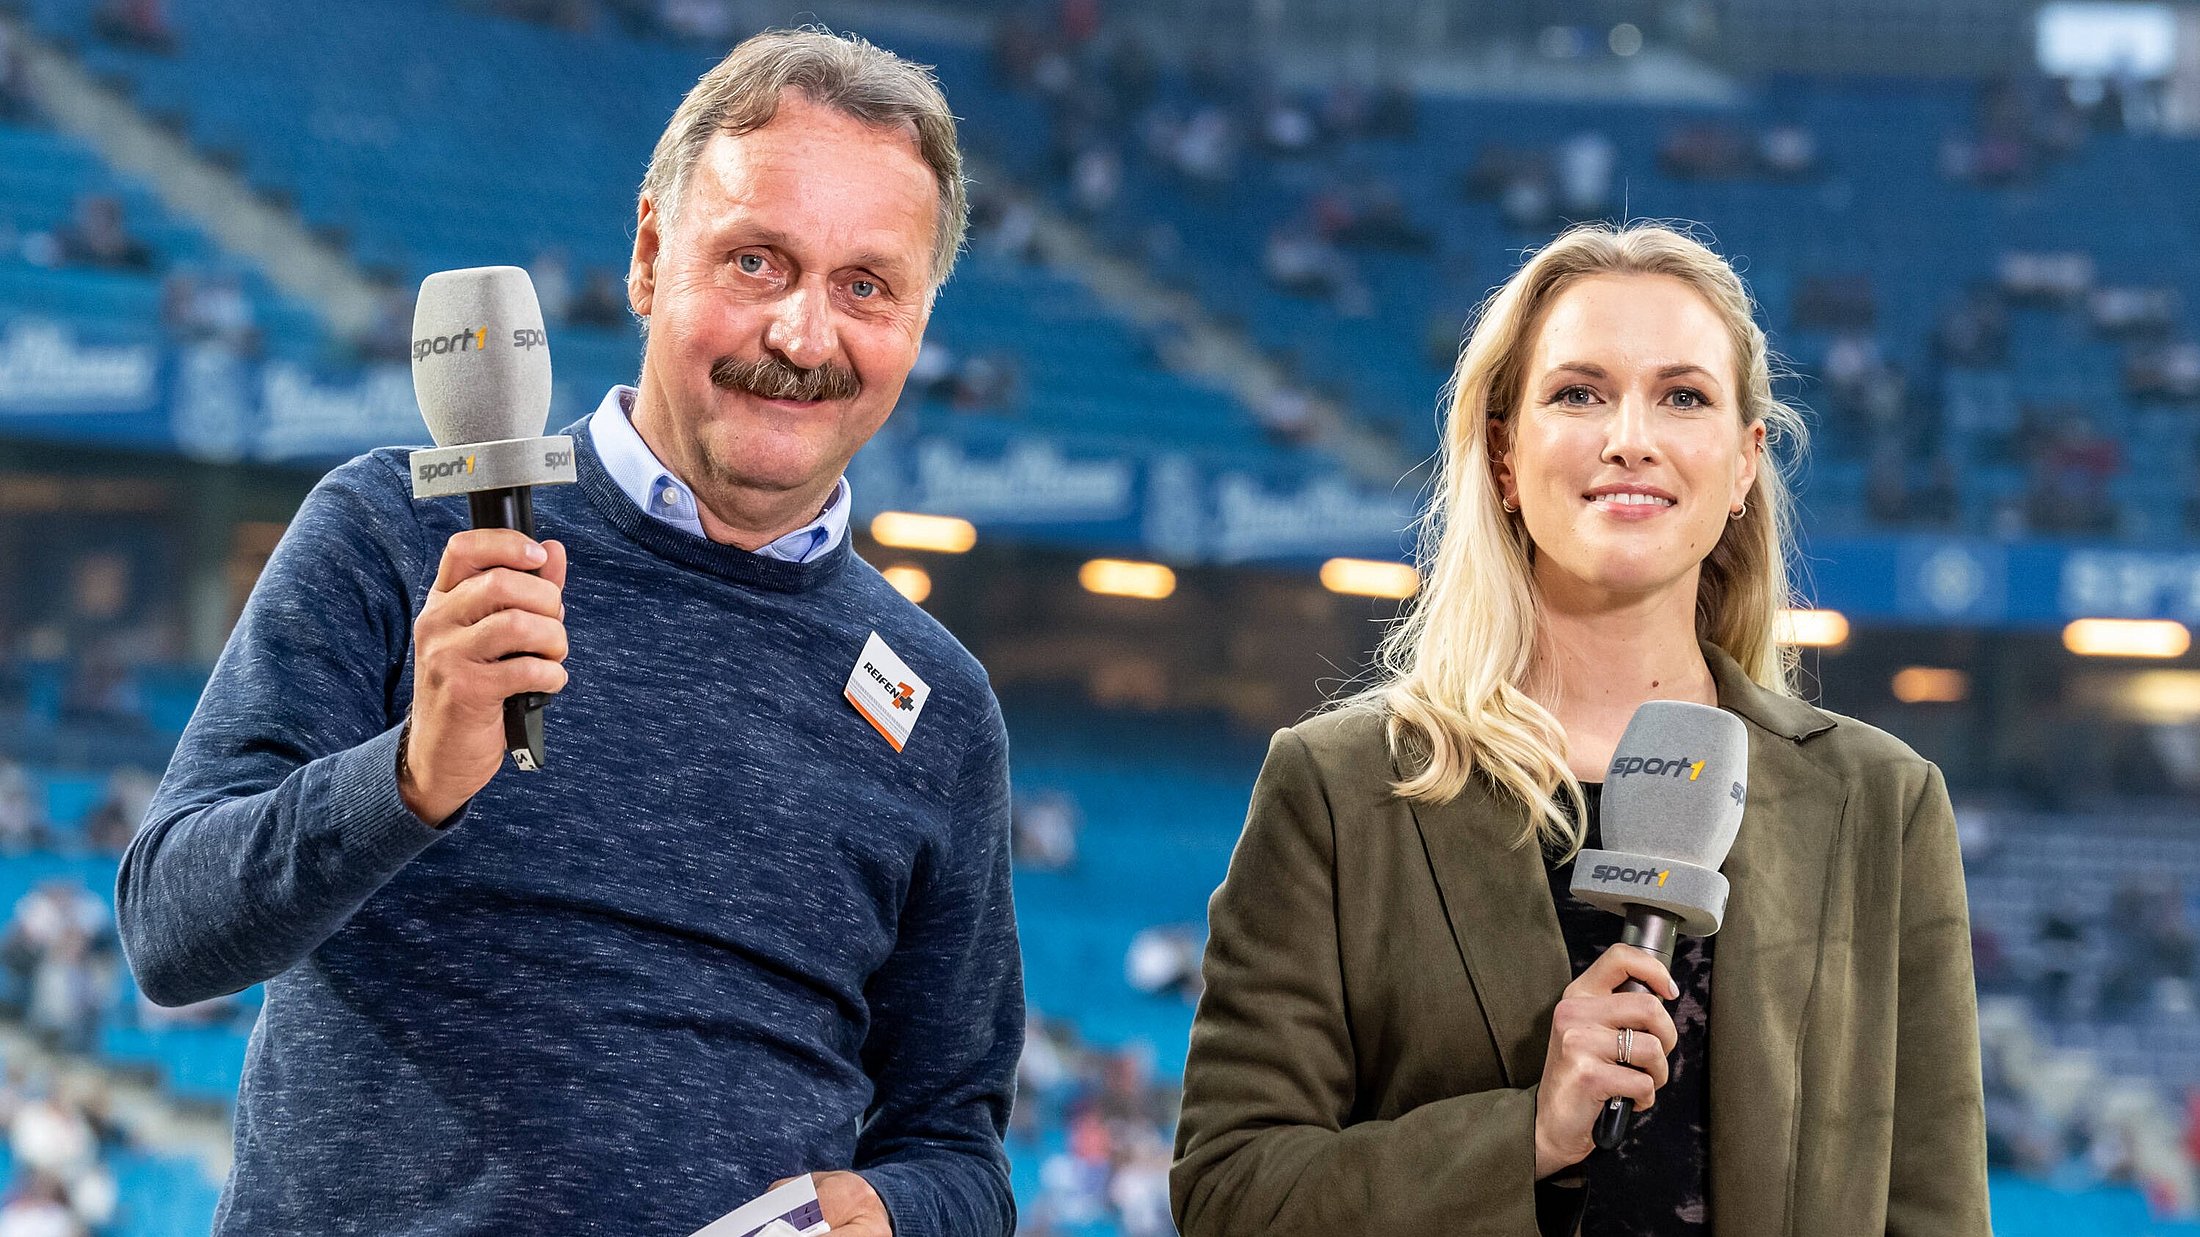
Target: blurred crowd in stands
{"x": 1109, "y": 105}
{"x": 1098, "y": 1123}
{"x": 59, "y": 1138}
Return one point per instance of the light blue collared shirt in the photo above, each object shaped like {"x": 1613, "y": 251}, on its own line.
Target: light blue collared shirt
{"x": 667, "y": 499}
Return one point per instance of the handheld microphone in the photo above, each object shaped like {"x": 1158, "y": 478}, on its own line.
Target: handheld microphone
{"x": 481, "y": 371}
{"x": 1673, "y": 800}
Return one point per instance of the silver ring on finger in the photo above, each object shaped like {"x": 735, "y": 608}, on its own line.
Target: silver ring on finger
{"x": 1627, "y": 1045}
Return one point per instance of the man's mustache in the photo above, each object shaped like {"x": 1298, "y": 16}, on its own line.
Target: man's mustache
{"x": 769, "y": 377}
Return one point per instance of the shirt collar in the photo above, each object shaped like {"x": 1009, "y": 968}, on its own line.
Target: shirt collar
{"x": 666, "y": 498}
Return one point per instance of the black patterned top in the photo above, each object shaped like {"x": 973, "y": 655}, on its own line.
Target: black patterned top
{"x": 1657, "y": 1183}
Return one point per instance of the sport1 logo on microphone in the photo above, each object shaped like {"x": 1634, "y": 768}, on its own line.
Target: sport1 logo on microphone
{"x": 1628, "y": 766}
{"x": 1632, "y": 876}
{"x": 476, "y": 339}
{"x": 472, "y": 339}
{"x": 447, "y": 468}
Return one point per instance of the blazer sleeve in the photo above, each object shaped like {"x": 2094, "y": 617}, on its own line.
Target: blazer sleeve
{"x": 1266, "y": 1144}
{"x": 1937, "y": 1182}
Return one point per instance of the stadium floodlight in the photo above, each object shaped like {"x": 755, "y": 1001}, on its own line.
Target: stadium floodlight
{"x": 1367, "y": 577}
{"x": 2100, "y": 637}
{"x": 910, "y": 581}
{"x": 1930, "y": 685}
{"x": 1119, "y": 577}
{"x": 907, "y": 530}
{"x": 1811, "y": 629}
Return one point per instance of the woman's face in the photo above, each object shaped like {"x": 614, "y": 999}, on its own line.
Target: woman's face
{"x": 1628, "y": 452}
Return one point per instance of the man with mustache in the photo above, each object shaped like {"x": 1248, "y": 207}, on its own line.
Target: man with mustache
{"x": 744, "y": 926}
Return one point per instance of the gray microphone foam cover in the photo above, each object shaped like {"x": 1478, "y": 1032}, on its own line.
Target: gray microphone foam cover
{"x": 1677, "y": 784}
{"x": 480, "y": 358}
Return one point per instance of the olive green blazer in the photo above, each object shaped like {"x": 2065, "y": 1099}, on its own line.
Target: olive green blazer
{"x": 1381, "y": 975}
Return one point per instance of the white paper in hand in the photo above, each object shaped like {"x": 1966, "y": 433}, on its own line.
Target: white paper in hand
{"x": 789, "y": 1211}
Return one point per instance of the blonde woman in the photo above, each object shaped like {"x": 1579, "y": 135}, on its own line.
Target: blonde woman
{"x": 1409, "y": 1025}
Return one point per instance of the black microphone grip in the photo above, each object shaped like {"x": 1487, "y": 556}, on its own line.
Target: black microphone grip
{"x": 1619, "y": 1111}
{"x": 1651, "y": 930}
{"x": 514, "y": 507}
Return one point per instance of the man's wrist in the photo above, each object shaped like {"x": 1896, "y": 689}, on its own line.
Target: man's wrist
{"x": 408, "y": 787}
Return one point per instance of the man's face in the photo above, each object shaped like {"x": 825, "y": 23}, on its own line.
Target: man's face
{"x": 786, "y": 303}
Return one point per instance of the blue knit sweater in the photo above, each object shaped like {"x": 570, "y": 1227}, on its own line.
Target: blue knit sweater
{"x": 729, "y": 935}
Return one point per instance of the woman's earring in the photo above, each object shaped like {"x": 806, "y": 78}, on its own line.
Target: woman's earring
{"x": 1510, "y": 508}
{"x": 1740, "y": 511}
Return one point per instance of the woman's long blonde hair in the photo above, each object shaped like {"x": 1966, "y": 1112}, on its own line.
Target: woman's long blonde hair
{"x": 1454, "y": 671}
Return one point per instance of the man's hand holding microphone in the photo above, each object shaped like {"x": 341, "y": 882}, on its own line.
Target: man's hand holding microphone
{"x": 493, "y": 628}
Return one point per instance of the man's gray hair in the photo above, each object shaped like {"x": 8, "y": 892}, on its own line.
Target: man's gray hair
{"x": 845, "y": 73}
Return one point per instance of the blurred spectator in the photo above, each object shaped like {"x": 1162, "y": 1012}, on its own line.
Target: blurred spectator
{"x": 135, "y": 23}
{"x": 1286, "y": 413}
{"x": 1205, "y": 148}
{"x": 2169, "y": 372}
{"x": 1005, "y": 224}
{"x": 1299, "y": 261}
{"x": 933, "y": 375}
{"x": 1140, "y": 1189}
{"x": 114, "y": 820}
{"x": 1585, "y": 164}
{"x": 15, "y": 88}
{"x": 2133, "y": 313}
{"x": 2070, "y": 468}
{"x": 39, "y": 1207}
{"x": 1788, "y": 152}
{"x": 1286, "y": 126}
{"x": 1866, "y": 391}
{"x": 97, "y": 237}
{"x": 1975, "y": 333}
{"x": 2152, "y": 951}
{"x": 989, "y": 381}
{"x": 1375, "y": 218}
{"x": 57, "y": 949}
{"x": 23, "y": 825}
{"x": 1164, "y": 959}
{"x": 1526, "y": 203}
{"x": 57, "y": 1142}
{"x": 601, "y": 304}
{"x": 2045, "y": 278}
{"x": 1096, "y": 178}
{"x": 2061, "y": 941}
{"x": 1496, "y": 169}
{"x": 210, "y": 309}
{"x": 1705, "y": 151}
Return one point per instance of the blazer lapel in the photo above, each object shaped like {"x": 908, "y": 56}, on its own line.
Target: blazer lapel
{"x": 1766, "y": 957}
{"x": 1498, "y": 901}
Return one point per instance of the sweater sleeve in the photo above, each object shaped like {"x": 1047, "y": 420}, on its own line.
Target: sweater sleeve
{"x": 947, "y": 1023}
{"x": 279, "y": 813}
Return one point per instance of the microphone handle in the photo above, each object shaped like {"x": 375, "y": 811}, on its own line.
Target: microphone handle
{"x": 514, "y": 507}
{"x": 1651, "y": 929}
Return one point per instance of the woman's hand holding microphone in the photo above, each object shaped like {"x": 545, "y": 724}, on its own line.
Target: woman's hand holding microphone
{"x": 1582, "y": 1068}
